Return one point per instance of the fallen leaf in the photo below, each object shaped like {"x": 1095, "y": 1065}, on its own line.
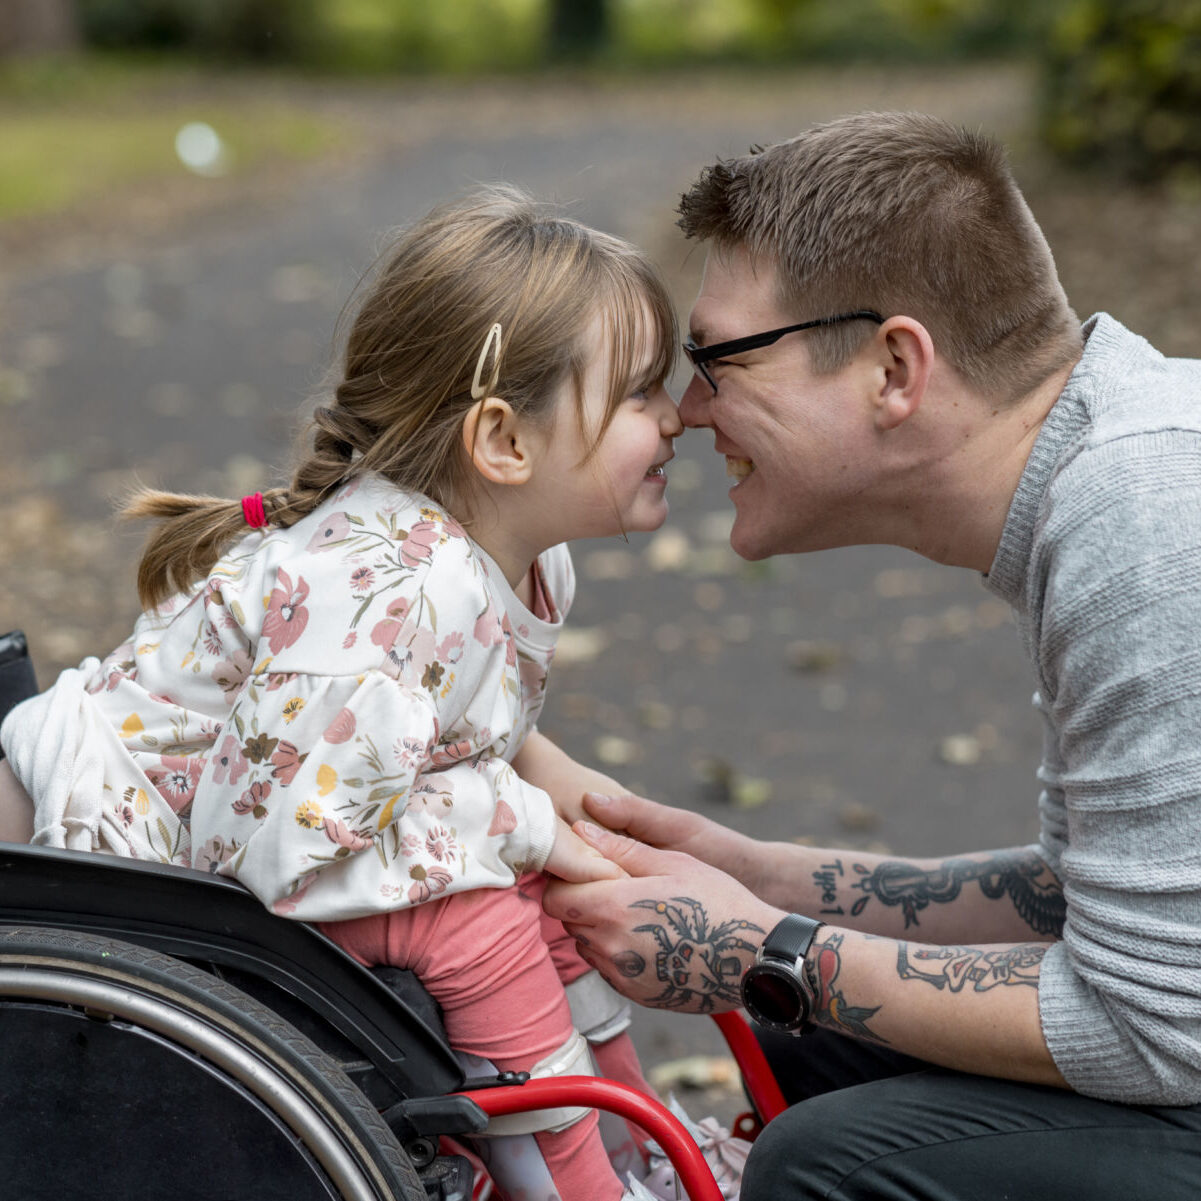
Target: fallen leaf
{"x": 615, "y": 751}
{"x": 858, "y": 817}
{"x": 668, "y": 550}
{"x": 749, "y": 792}
{"x": 716, "y": 527}
{"x": 960, "y": 750}
{"x": 609, "y": 565}
{"x": 580, "y": 645}
{"x": 695, "y": 1071}
{"x": 654, "y": 715}
{"x": 814, "y": 656}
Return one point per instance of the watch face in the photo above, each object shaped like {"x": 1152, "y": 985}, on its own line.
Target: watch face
{"x": 777, "y": 1000}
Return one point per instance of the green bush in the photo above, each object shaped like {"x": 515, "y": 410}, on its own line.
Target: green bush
{"x": 473, "y": 35}
{"x": 822, "y": 30}
{"x": 266, "y": 30}
{"x": 1122, "y": 87}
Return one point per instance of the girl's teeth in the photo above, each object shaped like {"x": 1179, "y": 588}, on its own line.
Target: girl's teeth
{"x": 655, "y": 471}
{"x": 739, "y": 468}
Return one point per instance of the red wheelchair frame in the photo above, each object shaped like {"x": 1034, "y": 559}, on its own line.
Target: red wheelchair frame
{"x": 661, "y": 1125}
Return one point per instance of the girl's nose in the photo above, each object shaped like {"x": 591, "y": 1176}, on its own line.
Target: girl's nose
{"x": 669, "y": 421}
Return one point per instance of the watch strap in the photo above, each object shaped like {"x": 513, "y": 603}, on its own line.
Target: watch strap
{"x": 791, "y": 938}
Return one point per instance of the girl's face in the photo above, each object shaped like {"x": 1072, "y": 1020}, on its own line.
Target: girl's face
{"x": 620, "y": 483}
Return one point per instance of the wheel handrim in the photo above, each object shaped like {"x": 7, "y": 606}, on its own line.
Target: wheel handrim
{"x": 210, "y": 1043}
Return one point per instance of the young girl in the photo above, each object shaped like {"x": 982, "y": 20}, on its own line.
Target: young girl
{"x": 333, "y": 691}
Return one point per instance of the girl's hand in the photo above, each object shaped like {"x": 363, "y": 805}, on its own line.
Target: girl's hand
{"x": 573, "y": 860}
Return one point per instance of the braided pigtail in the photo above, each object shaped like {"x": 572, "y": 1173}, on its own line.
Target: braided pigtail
{"x": 191, "y": 534}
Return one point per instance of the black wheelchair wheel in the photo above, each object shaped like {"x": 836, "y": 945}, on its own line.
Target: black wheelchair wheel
{"x": 125, "y": 1073}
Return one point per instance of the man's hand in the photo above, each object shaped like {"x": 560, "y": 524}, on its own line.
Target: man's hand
{"x": 571, "y": 858}
{"x": 677, "y": 934}
{"x": 681, "y": 830}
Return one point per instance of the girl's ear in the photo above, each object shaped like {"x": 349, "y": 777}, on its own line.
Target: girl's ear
{"x": 908, "y": 354}
{"x": 499, "y": 444}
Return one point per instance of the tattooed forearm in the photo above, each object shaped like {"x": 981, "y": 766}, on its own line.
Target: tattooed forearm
{"x": 1021, "y": 875}
{"x": 698, "y": 964}
{"x": 955, "y": 967}
{"x": 822, "y": 966}
{"x": 827, "y": 879}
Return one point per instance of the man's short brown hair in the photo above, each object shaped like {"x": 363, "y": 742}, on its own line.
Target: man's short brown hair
{"x": 906, "y": 214}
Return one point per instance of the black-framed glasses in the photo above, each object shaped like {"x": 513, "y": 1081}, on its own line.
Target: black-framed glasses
{"x": 699, "y": 356}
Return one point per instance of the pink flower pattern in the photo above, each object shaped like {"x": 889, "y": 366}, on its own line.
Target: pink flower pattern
{"x": 386, "y": 632}
{"x": 286, "y": 615}
{"x": 333, "y": 529}
{"x": 287, "y": 761}
{"x": 176, "y": 778}
{"x": 342, "y": 728}
{"x": 254, "y": 800}
{"x": 230, "y": 761}
{"x": 419, "y": 545}
{"x": 230, "y": 674}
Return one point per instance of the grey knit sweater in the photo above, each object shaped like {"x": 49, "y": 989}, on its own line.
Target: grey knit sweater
{"x": 1101, "y": 559}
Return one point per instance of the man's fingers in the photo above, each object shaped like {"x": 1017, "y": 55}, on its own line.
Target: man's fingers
{"x": 635, "y": 857}
{"x": 635, "y": 815}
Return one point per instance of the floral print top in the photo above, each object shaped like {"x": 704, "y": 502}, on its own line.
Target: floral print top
{"x": 333, "y": 711}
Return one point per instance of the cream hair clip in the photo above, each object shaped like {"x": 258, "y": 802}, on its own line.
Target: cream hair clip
{"x": 491, "y": 343}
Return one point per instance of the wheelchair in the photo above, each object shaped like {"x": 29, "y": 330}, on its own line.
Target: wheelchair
{"x": 163, "y": 1035}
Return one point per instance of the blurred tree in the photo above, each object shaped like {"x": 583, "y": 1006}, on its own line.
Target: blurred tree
{"x": 577, "y": 29}
{"x": 1122, "y": 86}
{"x": 257, "y": 29}
{"x": 37, "y": 27}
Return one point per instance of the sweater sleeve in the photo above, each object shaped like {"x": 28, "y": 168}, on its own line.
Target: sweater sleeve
{"x": 337, "y": 793}
{"x": 1120, "y": 694}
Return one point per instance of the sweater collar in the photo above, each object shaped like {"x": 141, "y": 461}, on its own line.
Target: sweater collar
{"x": 1106, "y": 343}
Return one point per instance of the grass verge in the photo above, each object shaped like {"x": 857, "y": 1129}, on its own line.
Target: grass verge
{"x": 73, "y": 129}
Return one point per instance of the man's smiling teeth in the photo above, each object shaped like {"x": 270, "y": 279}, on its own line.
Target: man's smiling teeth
{"x": 739, "y": 468}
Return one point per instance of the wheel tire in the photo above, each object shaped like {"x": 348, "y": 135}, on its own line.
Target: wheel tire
{"x": 128, "y": 1073}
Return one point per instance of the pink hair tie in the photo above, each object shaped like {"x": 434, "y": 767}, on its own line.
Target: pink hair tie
{"x": 253, "y": 511}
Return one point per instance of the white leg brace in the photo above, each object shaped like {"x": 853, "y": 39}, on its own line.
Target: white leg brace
{"x": 571, "y": 1059}
{"x": 598, "y": 1011}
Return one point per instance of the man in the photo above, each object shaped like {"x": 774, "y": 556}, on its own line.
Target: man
{"x": 885, "y": 355}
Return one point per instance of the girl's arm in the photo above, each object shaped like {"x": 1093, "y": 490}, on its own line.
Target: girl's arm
{"x": 546, "y": 766}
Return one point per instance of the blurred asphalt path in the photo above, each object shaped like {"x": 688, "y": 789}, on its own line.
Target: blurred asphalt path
{"x": 865, "y": 697}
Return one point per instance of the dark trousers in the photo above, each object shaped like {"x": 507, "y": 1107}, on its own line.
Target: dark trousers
{"x": 868, "y": 1123}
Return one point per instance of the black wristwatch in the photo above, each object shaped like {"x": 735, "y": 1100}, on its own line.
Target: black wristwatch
{"x": 775, "y": 989}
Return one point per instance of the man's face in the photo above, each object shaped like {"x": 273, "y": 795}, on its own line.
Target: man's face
{"x": 797, "y": 444}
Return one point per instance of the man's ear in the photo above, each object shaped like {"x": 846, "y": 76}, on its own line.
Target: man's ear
{"x": 907, "y": 357}
{"x": 497, "y": 442}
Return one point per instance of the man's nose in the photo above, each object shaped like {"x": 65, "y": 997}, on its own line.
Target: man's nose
{"x": 694, "y": 404}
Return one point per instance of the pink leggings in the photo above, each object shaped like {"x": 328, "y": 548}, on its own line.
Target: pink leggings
{"x": 497, "y": 964}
